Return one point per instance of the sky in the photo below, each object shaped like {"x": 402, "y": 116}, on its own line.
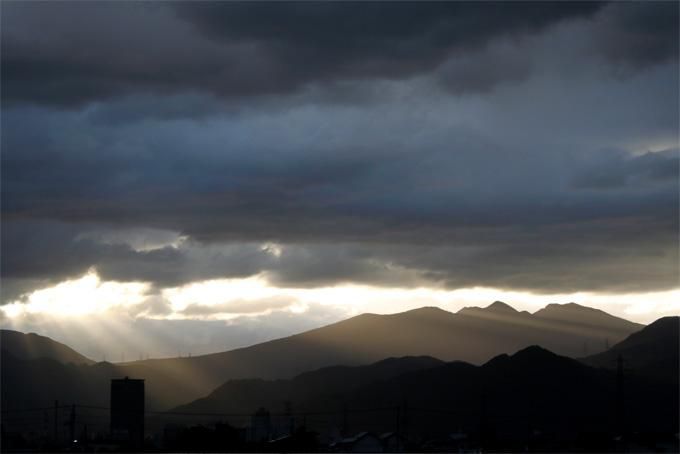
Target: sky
{"x": 187, "y": 177}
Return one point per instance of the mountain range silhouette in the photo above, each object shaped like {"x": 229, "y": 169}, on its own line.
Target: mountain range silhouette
{"x": 550, "y": 392}
{"x": 473, "y": 335}
{"x": 504, "y": 378}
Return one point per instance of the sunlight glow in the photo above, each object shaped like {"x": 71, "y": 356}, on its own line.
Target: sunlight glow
{"x": 224, "y": 299}
{"x": 214, "y": 292}
{"x": 86, "y": 295}
{"x": 273, "y": 249}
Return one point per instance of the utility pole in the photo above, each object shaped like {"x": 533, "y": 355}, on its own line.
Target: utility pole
{"x": 483, "y": 424}
{"x": 72, "y": 424}
{"x": 398, "y": 431}
{"x": 404, "y": 425}
{"x": 620, "y": 398}
{"x": 56, "y": 421}
{"x": 345, "y": 422}
{"x": 84, "y": 437}
{"x": 288, "y": 414}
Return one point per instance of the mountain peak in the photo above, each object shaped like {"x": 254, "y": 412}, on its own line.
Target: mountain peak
{"x": 528, "y": 357}
{"x": 500, "y": 306}
{"x": 568, "y": 307}
{"x": 434, "y": 310}
{"x": 533, "y": 351}
{"x": 575, "y": 313}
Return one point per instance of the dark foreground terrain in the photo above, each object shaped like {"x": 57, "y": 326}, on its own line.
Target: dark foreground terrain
{"x": 624, "y": 398}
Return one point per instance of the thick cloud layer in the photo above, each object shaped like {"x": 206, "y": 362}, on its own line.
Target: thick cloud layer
{"x": 240, "y": 49}
{"x": 527, "y": 146}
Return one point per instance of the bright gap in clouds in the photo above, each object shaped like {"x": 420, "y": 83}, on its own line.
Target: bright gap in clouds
{"x": 86, "y": 295}
{"x": 225, "y": 299}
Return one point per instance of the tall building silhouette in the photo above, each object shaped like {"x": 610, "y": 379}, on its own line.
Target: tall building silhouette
{"x": 261, "y": 426}
{"x": 127, "y": 412}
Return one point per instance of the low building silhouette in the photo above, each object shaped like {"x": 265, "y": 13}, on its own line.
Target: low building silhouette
{"x": 361, "y": 442}
{"x": 392, "y": 442}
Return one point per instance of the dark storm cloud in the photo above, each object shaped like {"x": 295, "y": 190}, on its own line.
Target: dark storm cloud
{"x": 446, "y": 144}
{"x": 614, "y": 255}
{"x": 44, "y": 252}
{"x": 50, "y": 252}
{"x": 322, "y": 41}
{"x": 72, "y": 53}
{"x": 646, "y": 169}
{"x": 580, "y": 240}
{"x": 245, "y": 180}
{"x": 594, "y": 256}
{"x": 545, "y": 260}
{"x": 16, "y": 289}
{"x": 637, "y": 34}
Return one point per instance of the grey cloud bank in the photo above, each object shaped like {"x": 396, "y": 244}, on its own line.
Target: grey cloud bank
{"x": 238, "y": 49}
{"x": 527, "y": 146}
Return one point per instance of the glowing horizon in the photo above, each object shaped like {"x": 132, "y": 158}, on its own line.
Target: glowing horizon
{"x": 225, "y": 299}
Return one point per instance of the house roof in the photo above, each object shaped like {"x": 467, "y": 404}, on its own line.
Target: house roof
{"x": 355, "y": 438}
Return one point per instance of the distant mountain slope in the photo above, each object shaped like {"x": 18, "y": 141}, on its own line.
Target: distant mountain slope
{"x": 33, "y": 346}
{"x": 532, "y": 389}
{"x": 36, "y": 383}
{"x": 532, "y": 395}
{"x": 582, "y": 316}
{"x": 653, "y": 351}
{"x": 473, "y": 335}
{"x": 246, "y": 395}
